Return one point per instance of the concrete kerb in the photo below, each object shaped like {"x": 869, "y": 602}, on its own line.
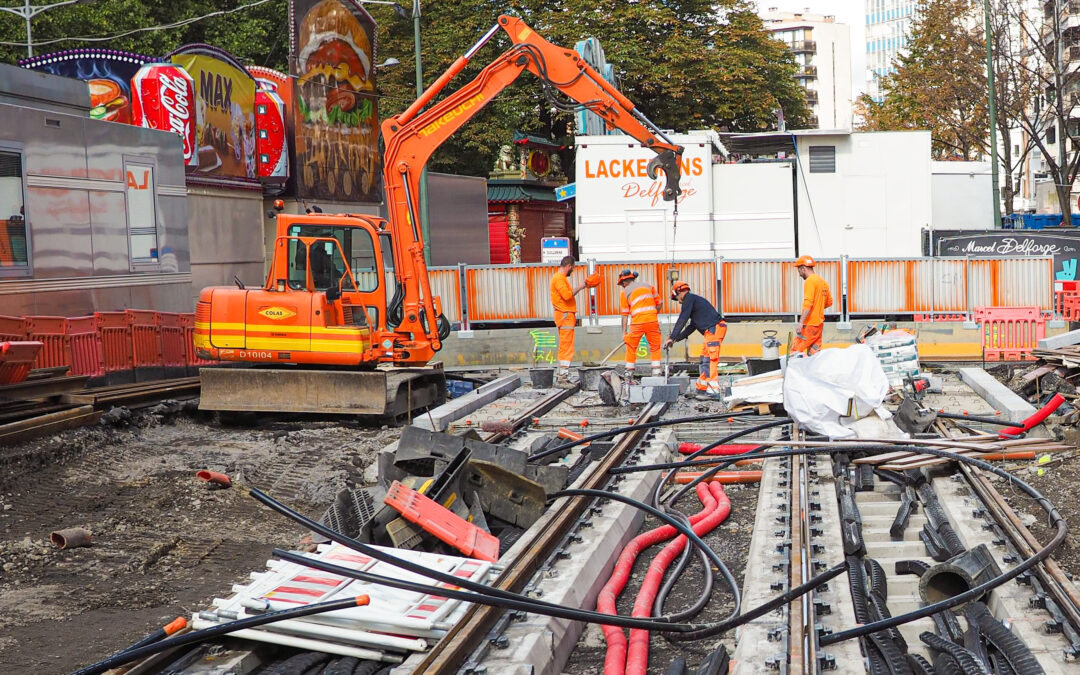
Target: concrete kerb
{"x": 996, "y": 394}
{"x": 440, "y": 418}
{"x": 1059, "y": 341}
{"x": 938, "y": 341}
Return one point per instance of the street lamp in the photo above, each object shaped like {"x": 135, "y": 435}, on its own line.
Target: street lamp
{"x": 28, "y": 12}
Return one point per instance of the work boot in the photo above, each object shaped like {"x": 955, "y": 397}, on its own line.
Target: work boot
{"x": 563, "y": 381}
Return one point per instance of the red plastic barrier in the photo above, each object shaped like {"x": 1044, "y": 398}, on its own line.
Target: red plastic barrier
{"x": 85, "y": 345}
{"x": 173, "y": 353}
{"x": 440, "y": 521}
{"x": 16, "y": 360}
{"x": 12, "y": 329}
{"x": 51, "y": 331}
{"x": 188, "y": 322}
{"x": 114, "y": 328}
{"x": 145, "y": 339}
{"x": 1010, "y": 333}
{"x": 1067, "y": 299}
{"x": 1036, "y": 419}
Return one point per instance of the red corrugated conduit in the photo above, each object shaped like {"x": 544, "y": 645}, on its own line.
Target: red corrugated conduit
{"x": 637, "y": 661}
{"x": 727, "y": 449}
{"x": 615, "y": 661}
{"x": 1036, "y": 419}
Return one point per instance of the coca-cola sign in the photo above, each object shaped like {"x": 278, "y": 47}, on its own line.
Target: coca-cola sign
{"x": 163, "y": 97}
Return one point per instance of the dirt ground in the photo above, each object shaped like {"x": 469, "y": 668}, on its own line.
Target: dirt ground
{"x": 164, "y": 543}
{"x": 731, "y": 541}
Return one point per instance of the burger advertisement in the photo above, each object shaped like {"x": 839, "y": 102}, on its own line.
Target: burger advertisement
{"x": 107, "y": 73}
{"x": 335, "y": 107}
{"x": 224, "y": 111}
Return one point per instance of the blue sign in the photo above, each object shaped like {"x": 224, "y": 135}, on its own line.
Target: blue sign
{"x": 565, "y": 192}
{"x": 554, "y": 249}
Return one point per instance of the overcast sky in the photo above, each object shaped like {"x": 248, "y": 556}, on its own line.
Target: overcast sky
{"x": 851, "y": 12}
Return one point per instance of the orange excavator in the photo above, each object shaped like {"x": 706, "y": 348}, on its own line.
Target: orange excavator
{"x": 347, "y": 322}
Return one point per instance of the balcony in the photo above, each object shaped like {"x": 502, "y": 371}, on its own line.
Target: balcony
{"x": 811, "y": 96}
{"x": 804, "y": 47}
{"x": 1073, "y": 54}
{"x": 812, "y": 122}
{"x": 807, "y": 71}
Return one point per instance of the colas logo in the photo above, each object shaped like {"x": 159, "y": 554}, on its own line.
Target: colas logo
{"x": 277, "y": 313}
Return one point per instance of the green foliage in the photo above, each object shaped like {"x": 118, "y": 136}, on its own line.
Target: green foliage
{"x": 687, "y": 64}
{"x": 940, "y": 84}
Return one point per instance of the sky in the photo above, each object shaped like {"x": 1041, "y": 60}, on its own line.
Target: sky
{"x": 850, "y": 12}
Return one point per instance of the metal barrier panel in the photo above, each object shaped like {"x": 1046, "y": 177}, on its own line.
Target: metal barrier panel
{"x": 85, "y": 344}
{"x": 701, "y": 275}
{"x": 513, "y": 292}
{"x": 758, "y": 287}
{"x": 1012, "y": 282}
{"x": 949, "y": 285}
{"x": 51, "y": 331}
{"x": 444, "y": 284}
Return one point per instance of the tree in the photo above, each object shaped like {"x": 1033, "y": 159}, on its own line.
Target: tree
{"x": 940, "y": 84}
{"x": 685, "y": 63}
{"x": 1041, "y": 54}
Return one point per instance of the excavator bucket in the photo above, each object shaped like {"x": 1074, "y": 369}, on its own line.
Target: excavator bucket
{"x": 379, "y": 393}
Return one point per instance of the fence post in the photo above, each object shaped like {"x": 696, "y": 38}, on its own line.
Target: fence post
{"x": 968, "y": 311}
{"x": 465, "y": 328}
{"x": 845, "y": 319}
{"x": 594, "y": 322}
{"x": 718, "y": 262}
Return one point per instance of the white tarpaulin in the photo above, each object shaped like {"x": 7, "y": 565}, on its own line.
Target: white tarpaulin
{"x": 834, "y": 383}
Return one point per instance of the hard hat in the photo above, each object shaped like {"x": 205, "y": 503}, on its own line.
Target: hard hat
{"x": 627, "y": 275}
{"x": 593, "y": 280}
{"x": 804, "y": 261}
{"x": 679, "y": 287}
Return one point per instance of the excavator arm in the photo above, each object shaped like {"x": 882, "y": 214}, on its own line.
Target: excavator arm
{"x": 412, "y": 136}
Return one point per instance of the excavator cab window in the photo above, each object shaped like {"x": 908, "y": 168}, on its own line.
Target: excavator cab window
{"x": 298, "y": 257}
{"x": 358, "y": 245}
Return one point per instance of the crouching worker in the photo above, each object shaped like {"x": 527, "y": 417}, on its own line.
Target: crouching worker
{"x": 639, "y": 304}
{"x": 698, "y": 314}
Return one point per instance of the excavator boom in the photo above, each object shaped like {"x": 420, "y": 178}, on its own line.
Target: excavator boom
{"x": 414, "y": 135}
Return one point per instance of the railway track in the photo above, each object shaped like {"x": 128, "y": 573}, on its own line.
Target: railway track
{"x": 886, "y": 528}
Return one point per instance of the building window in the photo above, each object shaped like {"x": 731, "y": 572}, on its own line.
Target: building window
{"x": 823, "y": 159}
{"x": 14, "y": 250}
{"x": 141, "y": 214}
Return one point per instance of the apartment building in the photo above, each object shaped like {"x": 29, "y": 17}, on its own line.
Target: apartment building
{"x": 888, "y": 25}
{"x": 822, "y": 48}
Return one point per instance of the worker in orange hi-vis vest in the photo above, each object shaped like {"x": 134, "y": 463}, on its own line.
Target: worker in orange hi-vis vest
{"x": 639, "y": 304}
{"x": 816, "y": 298}
{"x": 565, "y": 306}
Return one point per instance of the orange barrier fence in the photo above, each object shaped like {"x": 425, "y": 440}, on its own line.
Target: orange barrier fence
{"x": 117, "y": 346}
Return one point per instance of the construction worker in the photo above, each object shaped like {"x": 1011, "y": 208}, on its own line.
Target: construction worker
{"x": 698, "y": 314}
{"x": 639, "y": 304}
{"x": 816, "y": 298}
{"x": 562, "y": 300}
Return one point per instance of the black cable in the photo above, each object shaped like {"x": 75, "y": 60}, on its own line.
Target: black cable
{"x": 537, "y": 606}
{"x": 985, "y": 420}
{"x": 634, "y": 427}
{"x": 129, "y": 655}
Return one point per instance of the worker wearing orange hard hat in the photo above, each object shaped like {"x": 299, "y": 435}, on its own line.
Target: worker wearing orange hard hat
{"x": 816, "y": 299}
{"x": 639, "y": 304}
{"x": 565, "y": 306}
{"x": 699, "y": 314}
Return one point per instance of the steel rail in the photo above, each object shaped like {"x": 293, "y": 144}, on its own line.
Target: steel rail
{"x": 455, "y": 648}
{"x": 542, "y": 407}
{"x": 1049, "y": 572}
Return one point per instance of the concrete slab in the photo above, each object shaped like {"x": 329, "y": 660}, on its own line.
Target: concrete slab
{"x": 1059, "y": 341}
{"x": 440, "y": 418}
{"x": 996, "y": 394}
{"x": 658, "y": 393}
